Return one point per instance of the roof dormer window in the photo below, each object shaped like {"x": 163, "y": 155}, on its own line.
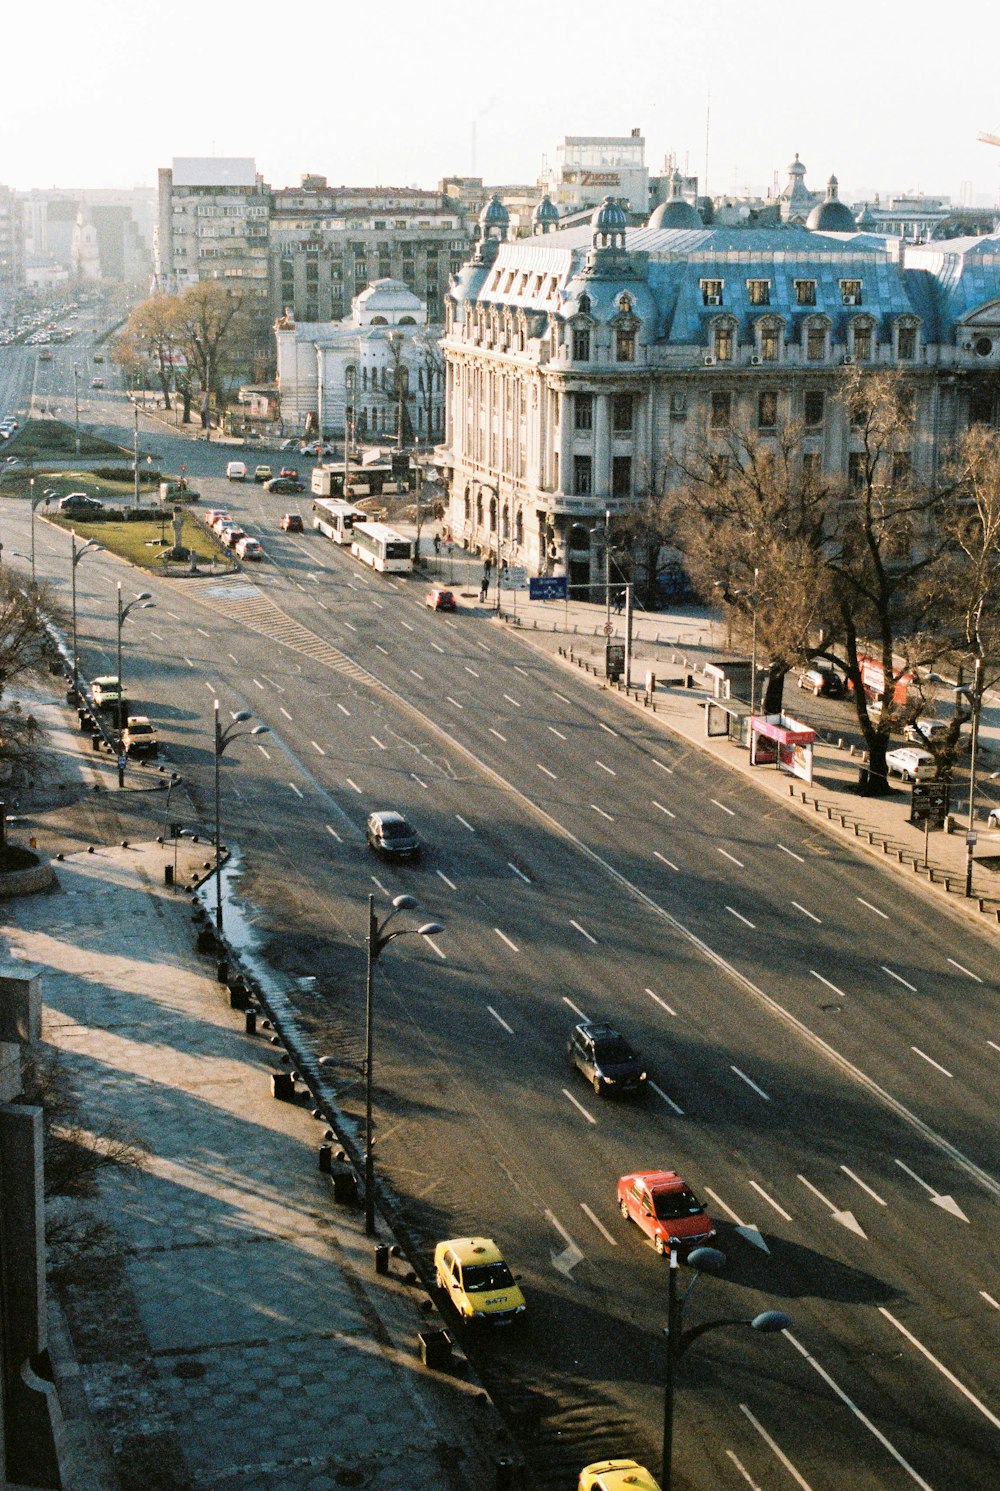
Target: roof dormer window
{"x": 711, "y": 292}
{"x": 759, "y": 292}
{"x": 850, "y": 291}
{"x": 805, "y": 292}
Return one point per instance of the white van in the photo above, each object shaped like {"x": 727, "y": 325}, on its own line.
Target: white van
{"x": 236, "y": 471}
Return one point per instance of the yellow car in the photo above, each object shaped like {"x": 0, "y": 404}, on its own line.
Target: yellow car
{"x": 478, "y": 1282}
{"x": 616, "y": 1475}
{"x": 262, "y": 473}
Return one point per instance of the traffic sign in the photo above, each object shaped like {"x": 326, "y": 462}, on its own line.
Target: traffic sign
{"x": 548, "y": 588}
{"x": 609, "y": 628}
{"x": 122, "y": 762}
{"x": 929, "y": 804}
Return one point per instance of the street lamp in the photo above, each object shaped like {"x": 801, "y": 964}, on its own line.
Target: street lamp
{"x": 378, "y": 938}
{"x": 34, "y": 503}
{"x": 975, "y": 698}
{"x": 224, "y": 737}
{"x": 709, "y": 1260}
{"x": 76, "y": 399}
{"x": 145, "y": 602}
{"x": 90, "y": 547}
{"x": 752, "y": 595}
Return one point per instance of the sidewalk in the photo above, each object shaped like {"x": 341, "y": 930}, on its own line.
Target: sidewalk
{"x": 228, "y": 1330}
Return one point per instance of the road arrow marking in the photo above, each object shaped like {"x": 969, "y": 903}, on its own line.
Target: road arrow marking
{"x": 745, "y": 1229}
{"x": 859, "y": 1182}
{"x": 946, "y": 1203}
{"x": 571, "y": 1255}
{"x": 845, "y": 1218}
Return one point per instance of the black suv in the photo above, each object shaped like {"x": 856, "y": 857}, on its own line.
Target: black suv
{"x": 606, "y": 1059}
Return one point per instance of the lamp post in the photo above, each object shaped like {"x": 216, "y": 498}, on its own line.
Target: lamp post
{"x": 975, "y": 697}
{"x": 90, "y": 547}
{"x": 76, "y": 400}
{"x": 607, "y": 572}
{"x": 377, "y": 939}
{"x": 145, "y": 603}
{"x": 135, "y": 452}
{"x": 34, "y": 503}
{"x": 224, "y": 737}
{"x": 678, "y": 1340}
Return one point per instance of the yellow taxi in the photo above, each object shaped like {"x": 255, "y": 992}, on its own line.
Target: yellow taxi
{"x": 616, "y": 1475}
{"x": 477, "y": 1281}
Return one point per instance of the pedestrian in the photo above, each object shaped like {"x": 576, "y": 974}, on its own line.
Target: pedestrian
{"x": 437, "y": 543}
{"x": 483, "y": 588}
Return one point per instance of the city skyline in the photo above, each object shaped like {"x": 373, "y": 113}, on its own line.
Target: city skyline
{"x": 494, "y": 93}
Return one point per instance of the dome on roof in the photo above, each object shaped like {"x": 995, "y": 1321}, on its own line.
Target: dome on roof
{"x": 494, "y": 214}
{"x": 866, "y": 219}
{"x": 546, "y": 211}
{"x": 831, "y": 216}
{"x": 675, "y": 212}
{"x": 609, "y": 217}
{"x": 388, "y": 295}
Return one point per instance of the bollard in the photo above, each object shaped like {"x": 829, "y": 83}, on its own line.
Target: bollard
{"x": 168, "y": 874}
{"x": 382, "y": 1258}
{"x": 282, "y": 1087}
{"x": 506, "y": 1472}
{"x": 206, "y": 941}
{"x": 251, "y": 1022}
{"x": 239, "y": 995}
{"x": 435, "y": 1350}
{"x": 326, "y": 1158}
{"x": 222, "y": 971}
{"x": 345, "y": 1185}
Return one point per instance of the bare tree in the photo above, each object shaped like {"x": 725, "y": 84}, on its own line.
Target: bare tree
{"x": 214, "y": 331}
{"x": 150, "y": 342}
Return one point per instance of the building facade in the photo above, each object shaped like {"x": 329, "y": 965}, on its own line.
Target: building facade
{"x": 591, "y": 167}
{"x": 582, "y": 361}
{"x": 212, "y": 224}
{"x": 371, "y": 372}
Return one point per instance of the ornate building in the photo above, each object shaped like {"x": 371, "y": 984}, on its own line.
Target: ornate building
{"x": 580, "y": 360}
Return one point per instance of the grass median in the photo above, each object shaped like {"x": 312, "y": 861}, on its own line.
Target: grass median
{"x": 144, "y": 541}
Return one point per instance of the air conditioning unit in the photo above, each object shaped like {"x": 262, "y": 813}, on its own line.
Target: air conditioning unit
{"x": 713, "y": 299}
{"x": 754, "y": 361}
{"x": 850, "y": 300}
{"x": 710, "y": 362}
{"x": 847, "y": 361}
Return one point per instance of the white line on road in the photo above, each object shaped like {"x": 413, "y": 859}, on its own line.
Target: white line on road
{"x": 750, "y": 1083}
{"x": 202, "y": 630}
{"x": 343, "y": 710}
{"x": 497, "y": 734}
{"x": 156, "y": 635}
{"x": 519, "y": 669}
{"x": 578, "y": 1012}
{"x": 962, "y": 969}
{"x": 465, "y": 823}
{"x": 471, "y": 670}
{"x": 722, "y": 805}
{"x": 284, "y": 711}
{"x": 317, "y": 747}
{"x": 839, "y": 992}
{"x": 511, "y": 700}
{"x": 557, "y": 732}
{"x": 449, "y": 883}
{"x": 969, "y": 1396}
{"x": 745, "y": 920}
{"x": 598, "y": 1224}
{"x": 417, "y": 675}
{"x": 335, "y": 834}
{"x": 298, "y": 792}
{"x": 350, "y": 627}
{"x": 211, "y": 688}
{"x": 419, "y": 781}
{"x": 602, "y": 812}
{"x": 191, "y": 665}
{"x": 743, "y": 1470}
{"x": 664, "y": 860}
{"x": 883, "y": 914}
{"x": 726, "y": 855}
{"x": 661, "y": 1094}
{"x": 931, "y": 1062}
{"x": 377, "y": 604}
{"x": 898, "y": 977}
{"x": 500, "y": 1020}
{"x": 579, "y": 1106}
{"x": 432, "y": 942}
{"x": 263, "y": 752}
{"x": 994, "y": 1045}
{"x": 259, "y": 684}
{"x": 322, "y": 605}
{"x": 770, "y": 1201}
{"x": 776, "y": 1451}
{"x": 353, "y": 784}
{"x": 454, "y": 701}
{"x": 483, "y": 647}
{"x": 845, "y": 1218}
{"x": 546, "y": 771}
{"x": 437, "y": 647}
{"x": 663, "y": 767}
{"x": 663, "y": 809}
{"x": 602, "y": 726}
{"x": 524, "y": 877}
{"x": 608, "y": 769}
{"x": 810, "y": 914}
{"x": 989, "y": 1299}
{"x": 562, "y": 697}
{"x": 406, "y": 624}
{"x": 583, "y": 932}
{"x": 378, "y": 743}
{"x": 380, "y": 648}
{"x": 661, "y": 1002}
{"x": 792, "y": 854}
{"x": 233, "y": 659}
{"x": 867, "y": 1189}
{"x": 504, "y": 938}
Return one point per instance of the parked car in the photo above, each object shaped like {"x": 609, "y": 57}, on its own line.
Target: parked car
{"x": 107, "y": 692}
{"x": 220, "y": 521}
{"x": 98, "y": 356}
{"x": 249, "y": 548}
{"x": 262, "y": 473}
{"x": 665, "y": 1209}
{"x": 822, "y": 678}
{"x": 993, "y": 818}
{"x": 139, "y": 736}
{"x": 236, "y": 471}
{"x": 389, "y": 833}
{"x": 289, "y": 471}
{"x": 913, "y": 764}
{"x": 440, "y": 600}
{"x": 80, "y": 502}
{"x": 97, "y": 382}
{"x": 285, "y": 486}
{"x": 231, "y": 536}
{"x": 606, "y": 1059}
{"x": 477, "y": 1281}
{"x": 292, "y": 523}
{"x": 928, "y": 731}
{"x": 616, "y": 1475}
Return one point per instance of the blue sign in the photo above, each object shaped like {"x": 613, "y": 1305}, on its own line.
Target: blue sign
{"x": 548, "y": 588}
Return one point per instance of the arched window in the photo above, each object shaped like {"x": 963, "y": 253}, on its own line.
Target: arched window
{"x": 406, "y": 321}
{"x": 479, "y": 509}
{"x": 519, "y": 528}
{"x": 379, "y": 321}
{"x": 466, "y": 507}
{"x": 505, "y": 522}
{"x": 493, "y": 515}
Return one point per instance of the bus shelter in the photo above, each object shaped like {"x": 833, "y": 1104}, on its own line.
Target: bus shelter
{"x": 778, "y": 740}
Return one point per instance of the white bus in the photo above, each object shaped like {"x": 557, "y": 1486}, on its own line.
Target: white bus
{"x": 382, "y": 547}
{"x": 336, "y": 519}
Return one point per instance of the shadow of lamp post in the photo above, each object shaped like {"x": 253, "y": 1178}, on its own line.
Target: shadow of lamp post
{"x": 224, "y": 737}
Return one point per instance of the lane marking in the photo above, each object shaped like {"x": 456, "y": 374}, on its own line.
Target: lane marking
{"x": 749, "y": 1230}
{"x": 663, "y": 809}
{"x": 406, "y": 624}
{"x": 497, "y": 734}
{"x": 606, "y": 768}
{"x": 770, "y": 1201}
{"x": 350, "y": 627}
{"x": 454, "y": 701}
{"x": 668, "y": 769}
{"x": 722, "y": 805}
{"x": 417, "y": 675}
{"x": 775, "y": 1449}
{"x": 471, "y": 670}
{"x": 571, "y": 1255}
{"x": 519, "y": 669}
{"x": 598, "y": 1224}
{"x": 950, "y": 1376}
{"x": 661, "y": 1094}
{"x": 449, "y": 883}
{"x": 994, "y": 1045}
{"x": 524, "y": 877}
{"x": 663, "y": 858}
{"x": 845, "y": 1218}
{"x": 743, "y": 1470}
{"x": 867, "y": 1189}
{"x": 792, "y": 854}
{"x": 602, "y": 726}
{"x": 967, "y": 971}
{"x": 745, "y": 920}
{"x": 212, "y": 689}
{"x": 579, "y": 1106}
{"x": 296, "y": 790}
{"x": 322, "y": 605}
{"x": 839, "y": 992}
{"x": 202, "y": 630}
{"x": 465, "y": 823}
{"x": 557, "y": 732}
{"x": 750, "y": 1083}
{"x": 353, "y": 784}
{"x": 562, "y": 697}
{"x": 158, "y": 638}
{"x": 334, "y": 832}
{"x": 574, "y": 1007}
{"x": 419, "y": 781}
{"x": 263, "y": 752}
{"x": 546, "y": 771}
{"x": 378, "y": 742}
{"x": 483, "y": 647}
{"x": 343, "y": 710}
{"x": 504, "y": 938}
{"x": 811, "y": 915}
{"x": 989, "y": 1299}
{"x": 883, "y": 914}
{"x": 898, "y": 977}
{"x": 437, "y": 647}
{"x": 432, "y": 942}
{"x": 191, "y": 665}
{"x": 660, "y": 1002}
{"x": 602, "y": 812}
{"x": 499, "y": 1019}
{"x": 583, "y": 932}
{"x": 380, "y": 648}
{"x": 284, "y": 711}
{"x": 931, "y": 1062}
{"x": 317, "y": 747}
{"x": 512, "y": 701}
{"x": 737, "y": 862}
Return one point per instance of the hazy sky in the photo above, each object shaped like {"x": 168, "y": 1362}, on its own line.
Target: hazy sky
{"x": 399, "y": 92}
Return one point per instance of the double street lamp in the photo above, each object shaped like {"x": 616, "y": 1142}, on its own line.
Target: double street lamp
{"x": 709, "y": 1260}
{"x": 145, "y": 603}
{"x": 224, "y": 737}
{"x": 90, "y": 547}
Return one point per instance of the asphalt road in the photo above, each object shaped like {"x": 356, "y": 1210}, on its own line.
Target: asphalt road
{"x": 822, "y": 1041}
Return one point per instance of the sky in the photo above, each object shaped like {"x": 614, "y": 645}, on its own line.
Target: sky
{"x": 887, "y": 96}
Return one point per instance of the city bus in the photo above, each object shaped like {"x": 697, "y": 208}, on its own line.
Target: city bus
{"x": 382, "y": 547}
{"x": 336, "y": 519}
